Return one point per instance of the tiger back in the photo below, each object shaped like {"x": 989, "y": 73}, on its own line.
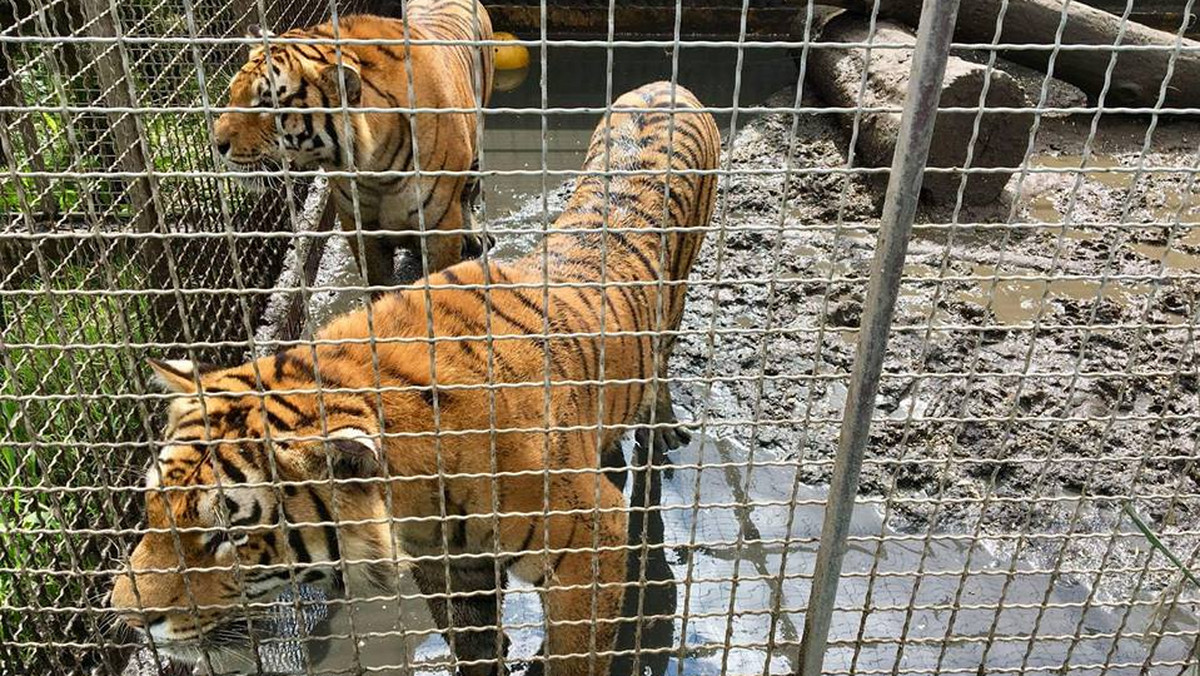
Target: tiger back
{"x": 390, "y": 208}
{"x": 636, "y": 221}
{"x": 473, "y": 412}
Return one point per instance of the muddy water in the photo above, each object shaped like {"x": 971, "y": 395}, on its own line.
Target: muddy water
{"x": 1018, "y": 301}
{"x": 1047, "y": 194}
{"x": 1046, "y": 198}
{"x": 1172, "y": 260}
{"x": 577, "y": 77}
{"x": 1095, "y": 169}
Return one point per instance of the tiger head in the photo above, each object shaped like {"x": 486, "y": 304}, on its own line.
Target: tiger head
{"x": 252, "y": 491}
{"x": 290, "y": 76}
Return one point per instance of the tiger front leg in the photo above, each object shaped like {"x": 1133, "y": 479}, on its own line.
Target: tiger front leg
{"x": 373, "y": 253}
{"x": 669, "y": 434}
{"x": 477, "y": 242}
{"x": 612, "y": 463}
{"x": 438, "y": 245}
{"x": 588, "y": 572}
{"x": 673, "y": 434}
{"x": 469, "y": 617}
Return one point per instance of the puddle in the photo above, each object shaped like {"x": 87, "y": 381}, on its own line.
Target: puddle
{"x": 1171, "y": 258}
{"x": 806, "y": 251}
{"x": 1173, "y": 207}
{"x": 835, "y": 268}
{"x": 1083, "y": 235}
{"x": 858, "y": 234}
{"x": 1093, "y": 171}
{"x": 920, "y": 270}
{"x": 1017, "y": 301}
{"x": 1043, "y": 209}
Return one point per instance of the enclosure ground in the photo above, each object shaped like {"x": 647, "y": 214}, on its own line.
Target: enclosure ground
{"x": 998, "y": 398}
{"x": 1014, "y": 411}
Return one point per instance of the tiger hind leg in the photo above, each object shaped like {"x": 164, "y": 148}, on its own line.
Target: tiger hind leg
{"x": 582, "y": 619}
{"x": 471, "y": 619}
{"x": 669, "y": 433}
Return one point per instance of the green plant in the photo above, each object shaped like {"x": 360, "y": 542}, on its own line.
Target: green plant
{"x": 174, "y": 141}
{"x": 56, "y": 401}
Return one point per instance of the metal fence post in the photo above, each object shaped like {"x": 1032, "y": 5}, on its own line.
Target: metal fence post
{"x": 934, "y": 35}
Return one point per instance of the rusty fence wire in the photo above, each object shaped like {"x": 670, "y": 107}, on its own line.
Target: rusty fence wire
{"x": 937, "y": 360}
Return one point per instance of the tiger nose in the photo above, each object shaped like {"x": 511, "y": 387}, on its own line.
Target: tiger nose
{"x": 223, "y": 148}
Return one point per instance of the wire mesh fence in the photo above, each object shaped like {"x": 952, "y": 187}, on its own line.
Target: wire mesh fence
{"x": 953, "y": 427}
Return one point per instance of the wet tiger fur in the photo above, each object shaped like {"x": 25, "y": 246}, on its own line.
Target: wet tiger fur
{"x": 443, "y": 76}
{"x": 493, "y": 445}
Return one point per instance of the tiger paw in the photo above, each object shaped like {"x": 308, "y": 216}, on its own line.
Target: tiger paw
{"x": 671, "y": 438}
{"x": 474, "y": 245}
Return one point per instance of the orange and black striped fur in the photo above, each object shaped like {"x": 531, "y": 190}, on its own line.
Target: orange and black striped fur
{"x": 506, "y": 454}
{"x": 376, "y": 76}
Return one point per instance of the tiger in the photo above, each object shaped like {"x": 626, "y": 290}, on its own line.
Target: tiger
{"x": 469, "y": 458}
{"x": 377, "y": 75}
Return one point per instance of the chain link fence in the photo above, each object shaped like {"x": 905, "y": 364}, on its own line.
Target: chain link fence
{"x": 937, "y": 364}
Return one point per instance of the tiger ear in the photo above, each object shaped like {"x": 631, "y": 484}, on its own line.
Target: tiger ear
{"x": 329, "y": 82}
{"x": 353, "y": 454}
{"x": 175, "y": 375}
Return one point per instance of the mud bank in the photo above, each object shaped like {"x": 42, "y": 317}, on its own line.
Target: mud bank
{"x": 1006, "y": 397}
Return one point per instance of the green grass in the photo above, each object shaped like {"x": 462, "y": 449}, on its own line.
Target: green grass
{"x": 62, "y": 433}
{"x": 55, "y": 408}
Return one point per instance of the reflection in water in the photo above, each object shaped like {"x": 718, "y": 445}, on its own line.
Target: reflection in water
{"x": 648, "y": 639}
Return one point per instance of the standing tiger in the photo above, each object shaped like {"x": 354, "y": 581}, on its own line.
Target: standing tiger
{"x": 375, "y": 76}
{"x": 467, "y": 470}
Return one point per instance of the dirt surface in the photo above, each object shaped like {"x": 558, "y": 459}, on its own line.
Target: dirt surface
{"x": 1003, "y": 400}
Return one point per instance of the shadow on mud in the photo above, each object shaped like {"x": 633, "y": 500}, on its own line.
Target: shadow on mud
{"x": 647, "y": 637}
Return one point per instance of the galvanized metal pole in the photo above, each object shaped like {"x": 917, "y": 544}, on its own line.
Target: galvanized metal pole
{"x": 908, "y": 166}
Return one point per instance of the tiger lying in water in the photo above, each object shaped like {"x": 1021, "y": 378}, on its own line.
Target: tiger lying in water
{"x": 376, "y": 76}
{"x": 537, "y": 428}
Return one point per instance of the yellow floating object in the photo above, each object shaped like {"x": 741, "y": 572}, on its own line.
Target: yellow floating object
{"x": 508, "y": 80}
{"x": 510, "y": 57}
